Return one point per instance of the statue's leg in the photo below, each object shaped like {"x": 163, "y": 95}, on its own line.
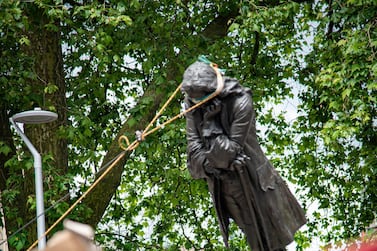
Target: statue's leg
{"x": 237, "y": 208}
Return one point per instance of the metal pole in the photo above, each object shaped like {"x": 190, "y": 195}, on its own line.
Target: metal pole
{"x": 38, "y": 187}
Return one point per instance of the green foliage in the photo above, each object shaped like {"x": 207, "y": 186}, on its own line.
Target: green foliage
{"x": 14, "y": 65}
{"x": 18, "y": 242}
{"x": 116, "y": 53}
{"x": 337, "y": 150}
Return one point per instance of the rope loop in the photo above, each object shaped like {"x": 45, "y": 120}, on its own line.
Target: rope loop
{"x": 121, "y": 143}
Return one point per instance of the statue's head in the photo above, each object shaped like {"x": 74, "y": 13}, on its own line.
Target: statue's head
{"x": 199, "y": 80}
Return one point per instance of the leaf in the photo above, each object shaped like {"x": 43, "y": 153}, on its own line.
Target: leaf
{"x": 4, "y": 148}
{"x": 24, "y": 40}
{"x": 234, "y": 27}
{"x": 346, "y": 93}
{"x": 51, "y": 88}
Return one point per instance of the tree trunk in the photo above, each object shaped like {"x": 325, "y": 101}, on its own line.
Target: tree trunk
{"x": 100, "y": 197}
{"x": 45, "y": 48}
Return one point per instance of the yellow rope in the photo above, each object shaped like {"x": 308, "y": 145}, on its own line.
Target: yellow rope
{"x": 133, "y": 145}
{"x": 220, "y": 86}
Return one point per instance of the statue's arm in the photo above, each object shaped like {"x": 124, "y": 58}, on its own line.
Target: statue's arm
{"x": 243, "y": 117}
{"x": 195, "y": 149}
{"x": 225, "y": 148}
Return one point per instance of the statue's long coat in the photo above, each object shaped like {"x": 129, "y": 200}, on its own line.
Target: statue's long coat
{"x": 281, "y": 214}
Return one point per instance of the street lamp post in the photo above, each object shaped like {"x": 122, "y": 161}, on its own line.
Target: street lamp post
{"x": 36, "y": 116}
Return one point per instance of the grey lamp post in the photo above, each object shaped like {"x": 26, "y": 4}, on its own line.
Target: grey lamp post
{"x": 36, "y": 116}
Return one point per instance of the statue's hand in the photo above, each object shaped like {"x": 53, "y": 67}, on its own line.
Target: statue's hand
{"x": 239, "y": 162}
{"x": 211, "y": 170}
{"x": 211, "y": 129}
{"x": 211, "y": 124}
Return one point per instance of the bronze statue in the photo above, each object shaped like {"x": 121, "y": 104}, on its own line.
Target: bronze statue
{"x": 223, "y": 149}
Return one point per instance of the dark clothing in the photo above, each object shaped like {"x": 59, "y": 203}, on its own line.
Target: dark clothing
{"x": 211, "y": 156}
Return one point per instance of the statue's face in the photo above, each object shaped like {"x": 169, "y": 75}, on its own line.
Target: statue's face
{"x": 195, "y": 87}
{"x": 198, "y": 81}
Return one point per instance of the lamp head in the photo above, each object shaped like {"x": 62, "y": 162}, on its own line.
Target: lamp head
{"x": 36, "y": 116}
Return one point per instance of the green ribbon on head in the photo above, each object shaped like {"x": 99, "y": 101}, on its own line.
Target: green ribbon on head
{"x": 205, "y": 60}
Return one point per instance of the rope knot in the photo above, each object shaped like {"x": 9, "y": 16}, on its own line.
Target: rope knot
{"x": 139, "y": 135}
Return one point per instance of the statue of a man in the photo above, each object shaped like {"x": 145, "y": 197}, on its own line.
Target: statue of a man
{"x": 223, "y": 149}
